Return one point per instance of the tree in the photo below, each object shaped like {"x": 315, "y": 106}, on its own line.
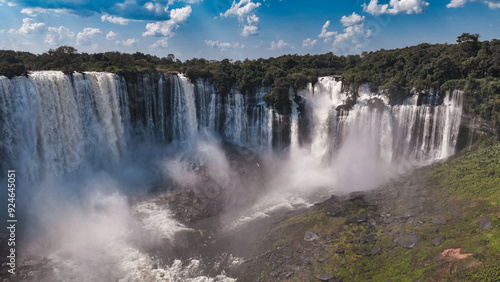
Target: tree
{"x": 469, "y": 43}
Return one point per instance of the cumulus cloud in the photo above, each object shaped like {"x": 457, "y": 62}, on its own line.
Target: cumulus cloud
{"x": 326, "y": 34}
{"x": 492, "y": 4}
{"x": 241, "y": 9}
{"x": 395, "y": 7}
{"x": 352, "y": 19}
{"x": 250, "y": 30}
{"x": 156, "y": 10}
{"x": 115, "y": 20}
{"x": 84, "y": 38}
{"x": 168, "y": 27}
{"x": 128, "y": 42}
{"x": 456, "y": 3}
{"x": 224, "y": 45}
{"x": 354, "y": 32}
{"x": 281, "y": 44}
{"x": 34, "y": 11}
{"x": 245, "y": 12}
{"x": 162, "y": 43}
{"x": 309, "y": 43}
{"x": 111, "y": 35}
{"x": 29, "y": 26}
{"x": 58, "y": 35}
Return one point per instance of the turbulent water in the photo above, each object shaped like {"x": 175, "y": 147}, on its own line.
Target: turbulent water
{"x": 61, "y": 130}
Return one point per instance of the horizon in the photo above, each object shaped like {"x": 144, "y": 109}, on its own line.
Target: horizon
{"x": 241, "y": 29}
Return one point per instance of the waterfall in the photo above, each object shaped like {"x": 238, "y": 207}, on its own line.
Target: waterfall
{"x": 417, "y": 133}
{"x": 185, "y": 124}
{"x": 294, "y": 129}
{"x": 54, "y": 123}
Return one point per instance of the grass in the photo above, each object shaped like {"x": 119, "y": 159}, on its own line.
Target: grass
{"x": 469, "y": 183}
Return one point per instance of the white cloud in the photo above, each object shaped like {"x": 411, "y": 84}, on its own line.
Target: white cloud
{"x": 35, "y": 11}
{"x": 309, "y": 43}
{"x": 168, "y": 27}
{"x": 224, "y": 45}
{"x": 162, "y": 43}
{"x": 115, "y": 20}
{"x": 58, "y": 35}
{"x": 492, "y": 4}
{"x": 326, "y": 34}
{"x": 244, "y": 11}
{"x": 111, "y": 35}
{"x": 395, "y": 7}
{"x": 29, "y": 26}
{"x": 128, "y": 42}
{"x": 456, "y": 3}
{"x": 241, "y": 9}
{"x": 84, "y": 38}
{"x": 280, "y": 45}
{"x": 352, "y": 19}
{"x": 250, "y": 30}
{"x": 353, "y": 34}
{"x": 156, "y": 8}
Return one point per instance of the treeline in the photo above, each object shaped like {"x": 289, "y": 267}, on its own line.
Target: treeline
{"x": 470, "y": 64}
{"x": 68, "y": 60}
{"x": 280, "y": 73}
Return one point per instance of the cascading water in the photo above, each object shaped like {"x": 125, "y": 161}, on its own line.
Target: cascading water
{"x": 55, "y": 124}
{"x": 184, "y": 110}
{"x": 418, "y": 133}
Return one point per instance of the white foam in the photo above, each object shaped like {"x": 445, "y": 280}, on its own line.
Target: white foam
{"x": 159, "y": 220}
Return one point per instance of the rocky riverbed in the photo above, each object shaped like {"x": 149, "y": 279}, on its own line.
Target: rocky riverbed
{"x": 406, "y": 230}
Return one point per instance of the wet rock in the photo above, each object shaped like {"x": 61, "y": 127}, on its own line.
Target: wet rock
{"x": 351, "y": 220}
{"x": 408, "y": 241}
{"x": 437, "y": 241}
{"x": 484, "y": 223}
{"x": 368, "y": 239}
{"x": 310, "y": 236}
{"x": 439, "y": 221}
{"x": 375, "y": 250}
{"x": 324, "y": 276}
{"x": 287, "y": 254}
{"x": 362, "y": 217}
{"x": 409, "y": 214}
{"x": 388, "y": 220}
{"x": 31, "y": 262}
{"x": 372, "y": 222}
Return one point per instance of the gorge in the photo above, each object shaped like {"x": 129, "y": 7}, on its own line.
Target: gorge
{"x": 165, "y": 179}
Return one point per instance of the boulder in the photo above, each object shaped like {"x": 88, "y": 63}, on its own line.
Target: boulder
{"x": 437, "y": 241}
{"x": 484, "y": 223}
{"x": 310, "y": 236}
{"x": 324, "y": 276}
{"x": 408, "y": 241}
{"x": 439, "y": 221}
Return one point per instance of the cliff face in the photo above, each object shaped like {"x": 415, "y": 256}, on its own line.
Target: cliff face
{"x": 100, "y": 113}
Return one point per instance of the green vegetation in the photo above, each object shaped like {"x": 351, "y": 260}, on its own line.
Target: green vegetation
{"x": 474, "y": 175}
{"x": 470, "y": 64}
{"x": 463, "y": 191}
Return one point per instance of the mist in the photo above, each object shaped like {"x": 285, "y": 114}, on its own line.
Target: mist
{"x": 173, "y": 181}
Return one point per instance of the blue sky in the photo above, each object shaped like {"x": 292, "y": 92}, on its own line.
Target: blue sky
{"x": 241, "y": 29}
